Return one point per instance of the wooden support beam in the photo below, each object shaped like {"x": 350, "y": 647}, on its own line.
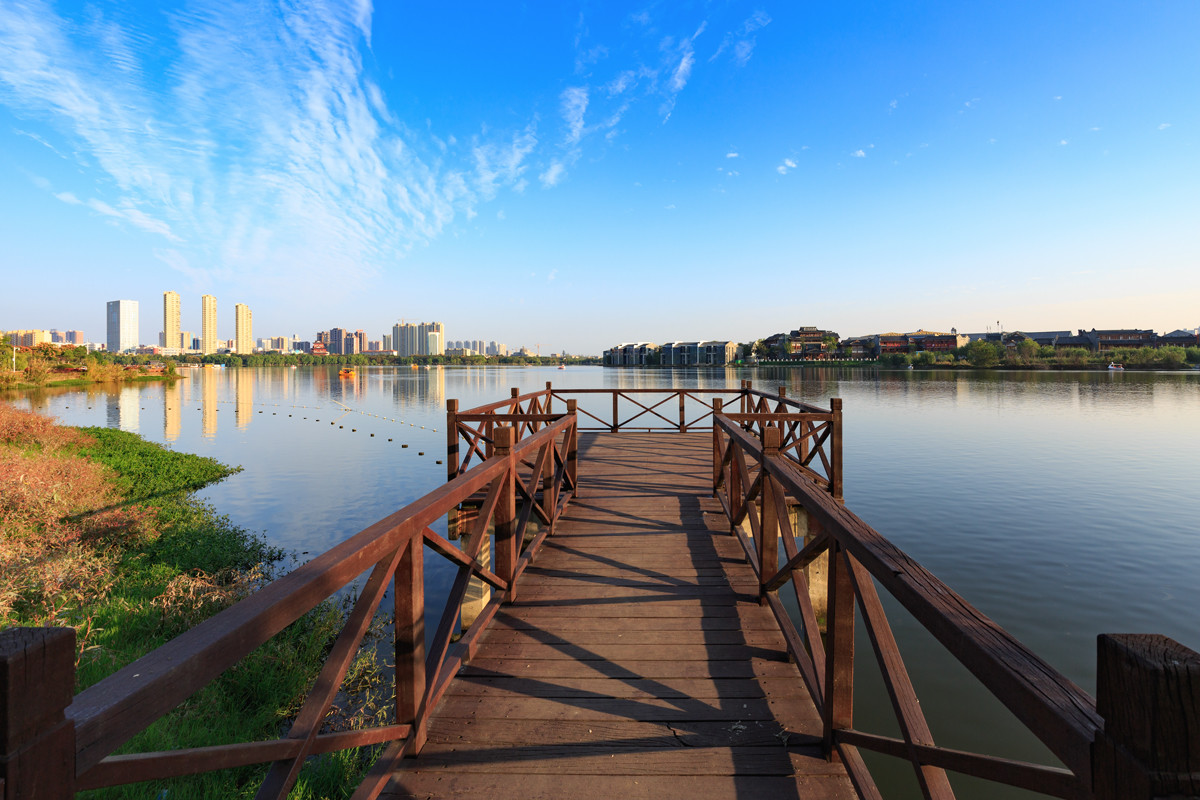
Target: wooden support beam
{"x": 508, "y": 549}
{"x": 451, "y": 439}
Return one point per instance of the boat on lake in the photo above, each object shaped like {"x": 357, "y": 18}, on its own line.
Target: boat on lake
{"x": 345, "y": 372}
{"x": 1111, "y": 365}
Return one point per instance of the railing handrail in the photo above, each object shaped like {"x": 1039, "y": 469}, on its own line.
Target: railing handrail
{"x": 1052, "y": 707}
{"x": 113, "y": 710}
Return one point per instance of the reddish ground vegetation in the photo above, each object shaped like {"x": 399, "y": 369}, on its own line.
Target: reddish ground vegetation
{"x": 59, "y": 518}
{"x": 26, "y": 429}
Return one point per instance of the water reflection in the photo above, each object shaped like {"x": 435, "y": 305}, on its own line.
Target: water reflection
{"x": 172, "y": 410}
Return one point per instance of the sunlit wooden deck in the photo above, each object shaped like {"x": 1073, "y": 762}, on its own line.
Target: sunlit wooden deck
{"x": 636, "y": 661}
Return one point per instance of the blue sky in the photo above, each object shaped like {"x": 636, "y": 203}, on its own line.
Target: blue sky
{"x": 579, "y": 174}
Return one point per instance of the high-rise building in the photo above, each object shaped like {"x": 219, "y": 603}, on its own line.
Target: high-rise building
{"x": 208, "y": 324}
{"x": 387, "y": 341}
{"x": 75, "y": 337}
{"x": 243, "y": 337}
{"x": 431, "y": 338}
{"x": 405, "y": 339}
{"x": 336, "y": 343}
{"x": 122, "y": 325}
{"x": 171, "y": 320}
{"x": 185, "y": 341}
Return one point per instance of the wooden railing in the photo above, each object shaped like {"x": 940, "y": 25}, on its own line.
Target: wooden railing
{"x": 1140, "y": 742}
{"x": 52, "y": 745}
{"x": 812, "y": 435}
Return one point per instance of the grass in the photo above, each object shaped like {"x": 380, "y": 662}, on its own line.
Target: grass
{"x": 100, "y": 530}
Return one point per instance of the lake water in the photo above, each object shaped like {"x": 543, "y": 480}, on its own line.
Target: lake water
{"x": 1062, "y": 505}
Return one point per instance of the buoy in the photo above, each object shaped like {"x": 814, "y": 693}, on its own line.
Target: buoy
{"x": 421, "y": 453}
{"x": 404, "y": 445}
{"x": 439, "y": 462}
{"x": 374, "y": 434}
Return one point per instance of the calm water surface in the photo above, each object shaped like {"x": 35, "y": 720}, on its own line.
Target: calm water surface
{"x": 1062, "y": 505}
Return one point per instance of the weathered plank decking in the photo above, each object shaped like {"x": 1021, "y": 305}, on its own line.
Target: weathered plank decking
{"x": 636, "y": 661}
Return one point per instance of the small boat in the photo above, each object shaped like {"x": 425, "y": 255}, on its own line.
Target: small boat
{"x": 562, "y": 366}
{"x": 345, "y": 372}
{"x": 1111, "y": 365}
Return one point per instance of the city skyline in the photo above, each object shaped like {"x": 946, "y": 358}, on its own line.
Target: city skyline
{"x": 572, "y": 176}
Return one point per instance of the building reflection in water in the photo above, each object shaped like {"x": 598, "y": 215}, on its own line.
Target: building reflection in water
{"x": 208, "y": 402}
{"x": 243, "y": 388}
{"x": 172, "y": 409}
{"x": 124, "y": 409}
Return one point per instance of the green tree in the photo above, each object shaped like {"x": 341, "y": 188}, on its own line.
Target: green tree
{"x": 1028, "y": 349}
{"x": 983, "y": 354}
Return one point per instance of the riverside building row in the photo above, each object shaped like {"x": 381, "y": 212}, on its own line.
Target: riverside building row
{"x": 816, "y": 344}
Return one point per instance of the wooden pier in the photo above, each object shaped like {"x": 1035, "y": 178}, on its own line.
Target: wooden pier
{"x": 617, "y": 627}
{"x": 636, "y": 661}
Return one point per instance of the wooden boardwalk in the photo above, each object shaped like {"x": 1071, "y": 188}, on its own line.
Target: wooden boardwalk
{"x": 636, "y": 661}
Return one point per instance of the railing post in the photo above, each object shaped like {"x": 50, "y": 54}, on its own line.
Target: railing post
{"x": 573, "y": 448}
{"x": 742, "y": 398}
{"x": 615, "y": 418}
{"x": 718, "y": 409}
{"x": 768, "y": 524}
{"x": 835, "y": 454}
{"x": 37, "y": 741}
{"x": 549, "y": 398}
{"x": 508, "y": 549}
{"x": 838, "y": 708}
{"x": 408, "y": 599}
{"x": 451, "y": 439}
{"x": 682, "y": 418}
{"x": 1148, "y": 691}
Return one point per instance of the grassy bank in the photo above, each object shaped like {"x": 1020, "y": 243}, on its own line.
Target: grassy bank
{"x": 100, "y": 530}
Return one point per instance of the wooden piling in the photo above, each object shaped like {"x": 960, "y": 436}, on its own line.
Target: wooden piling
{"x": 1148, "y": 691}
{"x": 37, "y": 741}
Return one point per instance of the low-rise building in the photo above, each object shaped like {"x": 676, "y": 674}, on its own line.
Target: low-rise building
{"x": 630, "y": 354}
{"x": 705, "y": 353}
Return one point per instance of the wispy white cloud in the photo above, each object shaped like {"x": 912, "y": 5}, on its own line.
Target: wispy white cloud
{"x": 1164, "y": 126}
{"x": 859, "y": 154}
{"x": 264, "y": 150}
{"x": 502, "y": 164}
{"x": 553, "y": 274}
{"x": 574, "y": 106}
{"x": 68, "y": 197}
{"x": 787, "y": 164}
{"x": 732, "y": 155}
{"x": 1063, "y": 142}
{"x": 553, "y": 174}
{"x": 741, "y": 41}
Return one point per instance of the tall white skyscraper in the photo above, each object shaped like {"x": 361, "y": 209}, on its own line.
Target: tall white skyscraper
{"x": 208, "y": 324}
{"x": 122, "y": 325}
{"x": 243, "y": 337}
{"x": 171, "y": 320}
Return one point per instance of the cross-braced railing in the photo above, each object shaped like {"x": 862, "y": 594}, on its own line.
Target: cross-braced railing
{"x": 1138, "y": 741}
{"x": 53, "y": 745}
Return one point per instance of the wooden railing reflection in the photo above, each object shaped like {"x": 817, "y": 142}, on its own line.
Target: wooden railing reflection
{"x": 53, "y": 745}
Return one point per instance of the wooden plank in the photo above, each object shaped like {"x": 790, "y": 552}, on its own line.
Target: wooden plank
{"x": 622, "y": 653}
{"x": 662, "y": 688}
{"x": 644, "y": 787}
{"x": 601, "y": 759}
{"x": 760, "y": 638}
{"x": 486, "y": 664}
{"x": 619, "y": 733}
{"x": 681, "y": 710}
